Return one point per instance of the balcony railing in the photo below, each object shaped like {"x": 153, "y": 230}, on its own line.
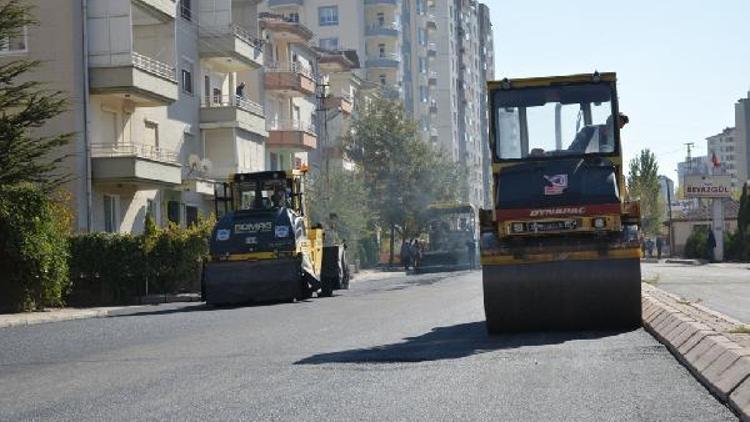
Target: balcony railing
{"x": 149, "y": 152}
{"x": 290, "y": 125}
{"x": 385, "y": 29}
{"x": 291, "y": 67}
{"x": 247, "y": 36}
{"x": 233, "y": 101}
{"x": 153, "y": 66}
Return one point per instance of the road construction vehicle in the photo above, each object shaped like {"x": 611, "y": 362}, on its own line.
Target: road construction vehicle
{"x": 560, "y": 250}
{"x": 452, "y": 239}
{"x": 263, "y": 247}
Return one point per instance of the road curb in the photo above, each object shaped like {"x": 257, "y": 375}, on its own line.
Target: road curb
{"x": 713, "y": 357}
{"x": 35, "y": 318}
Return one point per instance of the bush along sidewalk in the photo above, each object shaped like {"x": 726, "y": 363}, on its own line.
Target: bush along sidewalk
{"x": 33, "y": 249}
{"x": 117, "y": 269}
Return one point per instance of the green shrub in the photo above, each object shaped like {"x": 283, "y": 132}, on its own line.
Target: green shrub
{"x": 111, "y": 269}
{"x": 33, "y": 249}
{"x": 106, "y": 268}
{"x": 696, "y": 246}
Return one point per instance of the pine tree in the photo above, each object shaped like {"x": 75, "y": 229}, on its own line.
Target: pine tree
{"x": 25, "y": 105}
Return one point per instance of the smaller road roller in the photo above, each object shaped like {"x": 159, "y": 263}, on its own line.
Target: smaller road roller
{"x": 263, "y": 247}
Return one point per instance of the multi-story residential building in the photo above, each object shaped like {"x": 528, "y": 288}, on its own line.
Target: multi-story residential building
{"x": 666, "y": 190}
{"x": 742, "y": 138}
{"x": 487, "y": 73}
{"x": 434, "y": 55}
{"x": 156, "y": 108}
{"x": 466, "y": 55}
{"x": 291, "y": 83}
{"x": 696, "y": 166}
{"x": 723, "y": 145}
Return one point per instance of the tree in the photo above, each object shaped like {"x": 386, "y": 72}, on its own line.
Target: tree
{"x": 643, "y": 184}
{"x": 24, "y": 106}
{"x": 339, "y": 200}
{"x": 402, "y": 173}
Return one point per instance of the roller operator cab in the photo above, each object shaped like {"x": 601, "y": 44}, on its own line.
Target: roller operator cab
{"x": 262, "y": 247}
{"x": 560, "y": 249}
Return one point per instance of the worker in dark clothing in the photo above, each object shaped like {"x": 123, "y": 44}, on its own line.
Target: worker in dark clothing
{"x": 659, "y": 246}
{"x": 711, "y": 245}
{"x": 240, "y": 91}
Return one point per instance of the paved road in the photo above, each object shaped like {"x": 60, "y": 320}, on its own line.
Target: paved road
{"x": 721, "y": 287}
{"x": 394, "y": 349}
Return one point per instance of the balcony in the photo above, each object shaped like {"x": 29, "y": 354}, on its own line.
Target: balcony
{"x": 430, "y": 22}
{"x": 291, "y": 80}
{"x": 292, "y": 135}
{"x": 343, "y": 103}
{"x": 431, "y": 49}
{"x": 283, "y": 28}
{"x": 164, "y": 10}
{"x": 136, "y": 164}
{"x": 279, "y": 3}
{"x": 220, "y": 112}
{"x": 382, "y": 30}
{"x": 231, "y": 48}
{"x": 432, "y": 77}
{"x": 381, "y": 3}
{"x": 385, "y": 61}
{"x": 145, "y": 81}
{"x": 433, "y": 106}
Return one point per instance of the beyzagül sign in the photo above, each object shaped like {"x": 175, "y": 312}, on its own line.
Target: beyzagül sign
{"x": 708, "y": 186}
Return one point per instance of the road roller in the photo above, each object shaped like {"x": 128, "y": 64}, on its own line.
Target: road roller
{"x": 559, "y": 248}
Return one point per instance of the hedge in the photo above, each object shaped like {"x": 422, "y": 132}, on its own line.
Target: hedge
{"x": 108, "y": 269}
{"x": 33, "y": 249}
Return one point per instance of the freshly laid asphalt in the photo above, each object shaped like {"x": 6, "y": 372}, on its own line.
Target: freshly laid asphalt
{"x": 393, "y": 348}
{"x": 721, "y": 287}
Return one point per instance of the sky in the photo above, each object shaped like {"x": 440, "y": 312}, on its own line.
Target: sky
{"x": 681, "y": 64}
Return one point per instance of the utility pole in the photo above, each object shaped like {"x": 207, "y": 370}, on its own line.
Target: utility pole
{"x": 689, "y": 164}
{"x": 669, "y": 213}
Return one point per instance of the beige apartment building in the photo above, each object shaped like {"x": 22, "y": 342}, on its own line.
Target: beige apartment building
{"x": 723, "y": 145}
{"x": 168, "y": 98}
{"x": 434, "y": 55}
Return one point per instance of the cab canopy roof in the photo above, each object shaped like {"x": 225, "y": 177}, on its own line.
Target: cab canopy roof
{"x": 451, "y": 208}
{"x": 552, "y": 80}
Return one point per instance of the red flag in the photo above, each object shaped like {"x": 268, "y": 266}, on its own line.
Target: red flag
{"x": 715, "y": 159}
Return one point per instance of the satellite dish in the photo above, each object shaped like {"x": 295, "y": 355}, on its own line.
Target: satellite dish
{"x": 206, "y": 165}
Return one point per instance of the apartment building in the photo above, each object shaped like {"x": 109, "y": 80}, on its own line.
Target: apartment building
{"x": 434, "y": 55}
{"x": 723, "y": 145}
{"x": 165, "y": 101}
{"x": 742, "y": 138}
{"x": 466, "y": 56}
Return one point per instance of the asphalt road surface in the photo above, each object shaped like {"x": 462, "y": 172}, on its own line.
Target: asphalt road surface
{"x": 391, "y": 349}
{"x": 721, "y": 287}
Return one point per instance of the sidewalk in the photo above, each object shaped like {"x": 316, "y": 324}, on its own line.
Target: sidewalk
{"x": 67, "y": 314}
{"x": 54, "y": 315}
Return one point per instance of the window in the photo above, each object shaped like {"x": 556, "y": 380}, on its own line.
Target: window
{"x": 173, "y": 212}
{"x": 110, "y": 213}
{"x": 15, "y": 44}
{"x": 381, "y": 19}
{"x": 187, "y": 77}
{"x": 424, "y": 93}
{"x": 328, "y": 15}
{"x": 329, "y": 43}
{"x": 422, "y": 65}
{"x": 381, "y": 50}
{"x": 422, "y": 36}
{"x": 293, "y": 17}
{"x": 186, "y": 9}
{"x": 382, "y": 80}
{"x": 191, "y": 215}
{"x": 151, "y": 136}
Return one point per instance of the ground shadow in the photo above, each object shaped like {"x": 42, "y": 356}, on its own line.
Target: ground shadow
{"x": 450, "y": 342}
{"x": 201, "y": 307}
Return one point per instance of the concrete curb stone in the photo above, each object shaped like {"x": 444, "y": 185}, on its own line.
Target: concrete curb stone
{"x": 694, "y": 334}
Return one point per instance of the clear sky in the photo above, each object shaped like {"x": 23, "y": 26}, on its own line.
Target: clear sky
{"x": 681, "y": 64}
